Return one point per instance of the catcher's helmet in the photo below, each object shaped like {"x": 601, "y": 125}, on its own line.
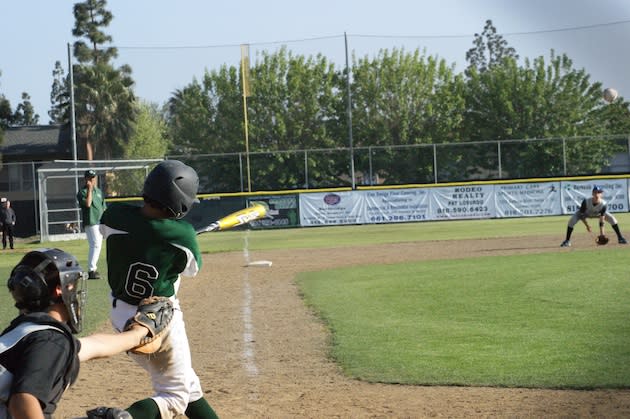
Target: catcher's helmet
{"x": 173, "y": 185}
{"x": 34, "y": 280}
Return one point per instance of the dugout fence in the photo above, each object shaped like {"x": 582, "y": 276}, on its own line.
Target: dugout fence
{"x": 60, "y": 181}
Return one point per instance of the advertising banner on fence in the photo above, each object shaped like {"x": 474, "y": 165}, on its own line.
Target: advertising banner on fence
{"x": 283, "y": 211}
{"x": 528, "y": 199}
{"x": 332, "y": 208}
{"x": 456, "y": 202}
{"x": 615, "y": 194}
{"x": 396, "y": 205}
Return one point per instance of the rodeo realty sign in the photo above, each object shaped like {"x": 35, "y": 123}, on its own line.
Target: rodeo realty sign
{"x": 455, "y": 202}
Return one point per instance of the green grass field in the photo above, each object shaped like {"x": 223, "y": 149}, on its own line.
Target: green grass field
{"x": 556, "y": 320}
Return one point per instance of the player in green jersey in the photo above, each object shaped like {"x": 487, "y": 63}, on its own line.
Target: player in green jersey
{"x": 92, "y": 202}
{"x": 148, "y": 248}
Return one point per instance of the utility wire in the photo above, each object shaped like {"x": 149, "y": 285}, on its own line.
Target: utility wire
{"x": 319, "y": 38}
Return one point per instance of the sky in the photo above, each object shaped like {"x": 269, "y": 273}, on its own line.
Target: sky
{"x": 169, "y": 43}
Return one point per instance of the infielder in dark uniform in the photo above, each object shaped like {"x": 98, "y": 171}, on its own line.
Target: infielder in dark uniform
{"x": 593, "y": 207}
{"x": 39, "y": 356}
{"x": 148, "y": 247}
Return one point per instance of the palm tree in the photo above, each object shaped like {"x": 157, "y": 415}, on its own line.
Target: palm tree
{"x": 105, "y": 108}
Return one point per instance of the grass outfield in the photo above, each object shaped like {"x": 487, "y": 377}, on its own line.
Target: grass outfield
{"x": 456, "y": 322}
{"x": 546, "y": 320}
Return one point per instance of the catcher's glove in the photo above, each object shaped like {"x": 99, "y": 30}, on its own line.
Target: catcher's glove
{"x": 154, "y": 313}
{"x": 108, "y": 413}
{"x": 602, "y": 240}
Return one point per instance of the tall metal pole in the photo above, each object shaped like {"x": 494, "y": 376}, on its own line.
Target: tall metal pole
{"x": 245, "y": 82}
{"x": 345, "y": 37}
{"x": 73, "y": 130}
{"x": 73, "y": 126}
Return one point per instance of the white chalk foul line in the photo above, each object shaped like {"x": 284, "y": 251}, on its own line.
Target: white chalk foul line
{"x": 249, "y": 356}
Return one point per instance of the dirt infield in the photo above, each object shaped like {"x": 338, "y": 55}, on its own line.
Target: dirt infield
{"x": 260, "y": 353}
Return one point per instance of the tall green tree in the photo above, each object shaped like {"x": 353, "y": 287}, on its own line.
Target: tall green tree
{"x": 405, "y": 98}
{"x": 6, "y": 113}
{"x": 148, "y": 141}
{"x": 489, "y": 49}
{"x": 104, "y": 98}
{"x": 206, "y": 118}
{"x": 541, "y": 99}
{"x": 59, "y": 112}
{"x": 25, "y": 113}
{"x": 294, "y": 106}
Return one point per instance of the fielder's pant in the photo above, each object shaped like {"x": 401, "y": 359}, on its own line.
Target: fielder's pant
{"x": 576, "y": 218}
{"x": 95, "y": 240}
{"x": 174, "y": 381}
{"x": 7, "y": 231}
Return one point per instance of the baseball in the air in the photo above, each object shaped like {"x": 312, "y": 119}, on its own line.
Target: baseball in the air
{"x": 610, "y": 94}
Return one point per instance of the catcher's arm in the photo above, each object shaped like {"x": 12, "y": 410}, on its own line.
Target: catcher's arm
{"x": 101, "y": 345}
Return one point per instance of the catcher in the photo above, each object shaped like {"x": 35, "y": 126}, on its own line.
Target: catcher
{"x": 39, "y": 356}
{"x": 594, "y": 207}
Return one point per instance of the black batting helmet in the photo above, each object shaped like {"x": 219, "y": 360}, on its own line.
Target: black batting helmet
{"x": 173, "y": 185}
{"x": 34, "y": 280}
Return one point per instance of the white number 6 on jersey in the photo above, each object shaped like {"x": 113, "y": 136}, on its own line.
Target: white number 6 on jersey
{"x": 140, "y": 278}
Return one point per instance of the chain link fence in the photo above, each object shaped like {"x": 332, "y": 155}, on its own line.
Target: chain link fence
{"x": 411, "y": 164}
{"x": 289, "y": 170}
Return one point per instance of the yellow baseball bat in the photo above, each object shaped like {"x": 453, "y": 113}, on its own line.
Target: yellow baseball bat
{"x": 240, "y": 217}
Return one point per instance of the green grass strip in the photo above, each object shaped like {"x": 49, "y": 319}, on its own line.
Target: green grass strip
{"x": 547, "y": 320}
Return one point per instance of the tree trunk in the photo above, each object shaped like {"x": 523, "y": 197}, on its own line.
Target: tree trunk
{"x": 89, "y": 150}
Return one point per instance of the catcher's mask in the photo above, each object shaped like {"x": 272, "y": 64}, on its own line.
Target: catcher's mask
{"x": 173, "y": 185}
{"x": 34, "y": 280}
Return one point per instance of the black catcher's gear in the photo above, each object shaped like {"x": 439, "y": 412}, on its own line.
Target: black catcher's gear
{"x": 33, "y": 283}
{"x": 173, "y": 185}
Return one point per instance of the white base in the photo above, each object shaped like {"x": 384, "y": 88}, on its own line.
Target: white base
{"x": 260, "y": 263}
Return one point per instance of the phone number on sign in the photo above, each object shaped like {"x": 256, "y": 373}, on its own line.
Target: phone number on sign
{"x": 461, "y": 210}
{"x": 388, "y": 218}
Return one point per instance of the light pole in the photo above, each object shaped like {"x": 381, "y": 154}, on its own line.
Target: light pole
{"x": 349, "y": 114}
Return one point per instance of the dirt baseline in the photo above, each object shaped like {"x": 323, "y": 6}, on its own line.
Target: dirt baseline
{"x": 260, "y": 353}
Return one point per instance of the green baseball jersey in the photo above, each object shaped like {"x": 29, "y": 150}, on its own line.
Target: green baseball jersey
{"x": 92, "y": 214}
{"x": 146, "y": 256}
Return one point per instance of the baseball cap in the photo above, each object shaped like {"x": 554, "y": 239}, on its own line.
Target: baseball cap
{"x": 597, "y": 189}
{"x": 89, "y": 174}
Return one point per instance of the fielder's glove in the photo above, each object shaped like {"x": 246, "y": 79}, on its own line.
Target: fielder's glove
{"x": 108, "y": 413}
{"x": 602, "y": 240}
{"x": 154, "y": 313}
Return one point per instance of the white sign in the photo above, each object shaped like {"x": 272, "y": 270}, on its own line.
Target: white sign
{"x": 615, "y": 194}
{"x": 396, "y": 205}
{"x": 331, "y": 208}
{"x": 455, "y": 202}
{"x": 528, "y": 199}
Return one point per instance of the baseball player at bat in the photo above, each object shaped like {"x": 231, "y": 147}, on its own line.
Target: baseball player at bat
{"x": 39, "y": 353}
{"x": 593, "y": 207}
{"x": 148, "y": 248}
